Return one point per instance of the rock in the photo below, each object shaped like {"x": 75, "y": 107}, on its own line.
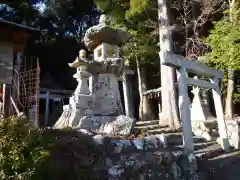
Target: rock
{"x": 115, "y": 172}
{"x": 203, "y": 134}
{"x": 122, "y": 125}
{"x": 85, "y": 131}
{"x": 108, "y": 162}
{"x": 109, "y": 129}
{"x": 139, "y": 144}
{"x": 121, "y": 145}
{"x": 155, "y": 141}
{"x": 176, "y": 171}
{"x": 99, "y": 139}
{"x": 163, "y": 139}
{"x": 233, "y": 133}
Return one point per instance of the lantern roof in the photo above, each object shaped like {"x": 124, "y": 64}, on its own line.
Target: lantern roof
{"x": 102, "y": 33}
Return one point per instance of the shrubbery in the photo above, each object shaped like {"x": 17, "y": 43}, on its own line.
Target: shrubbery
{"x": 21, "y": 150}
{"x": 30, "y": 154}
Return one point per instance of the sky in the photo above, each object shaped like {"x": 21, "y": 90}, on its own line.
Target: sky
{"x": 41, "y": 6}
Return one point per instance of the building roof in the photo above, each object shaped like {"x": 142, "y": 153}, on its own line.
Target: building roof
{"x": 18, "y": 26}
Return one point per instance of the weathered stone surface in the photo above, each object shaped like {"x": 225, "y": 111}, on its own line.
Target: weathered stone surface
{"x": 99, "y": 139}
{"x": 233, "y": 134}
{"x": 71, "y": 117}
{"x": 199, "y": 129}
{"x": 75, "y": 152}
{"x": 122, "y": 125}
{"x": 102, "y": 33}
{"x": 122, "y": 146}
{"x": 138, "y": 143}
{"x": 111, "y": 125}
{"x": 106, "y": 96}
{"x": 85, "y": 131}
{"x": 152, "y": 142}
{"x": 109, "y": 65}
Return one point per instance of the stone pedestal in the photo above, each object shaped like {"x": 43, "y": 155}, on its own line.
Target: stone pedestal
{"x": 107, "y": 99}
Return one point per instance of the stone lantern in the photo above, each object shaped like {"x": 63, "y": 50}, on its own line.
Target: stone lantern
{"x": 99, "y": 109}
{"x": 105, "y": 41}
{"x": 82, "y": 75}
{"x": 81, "y": 103}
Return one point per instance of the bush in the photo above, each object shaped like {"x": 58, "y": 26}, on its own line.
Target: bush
{"x": 30, "y": 154}
{"x": 21, "y": 149}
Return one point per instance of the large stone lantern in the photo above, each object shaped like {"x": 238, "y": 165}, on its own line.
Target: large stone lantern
{"x": 105, "y": 41}
{"x": 99, "y": 109}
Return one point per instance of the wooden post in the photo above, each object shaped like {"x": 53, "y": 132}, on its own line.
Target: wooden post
{"x": 15, "y": 105}
{"x": 91, "y": 84}
{"x": 159, "y": 109}
{"x": 126, "y": 95}
{"x": 4, "y": 100}
{"x": 131, "y": 99}
{"x": 46, "y": 109}
{"x": 185, "y": 114}
{"x": 220, "y": 116}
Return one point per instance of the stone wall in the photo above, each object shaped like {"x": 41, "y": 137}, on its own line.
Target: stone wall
{"x": 100, "y": 157}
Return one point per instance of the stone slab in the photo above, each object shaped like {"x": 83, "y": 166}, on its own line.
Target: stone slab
{"x": 111, "y": 125}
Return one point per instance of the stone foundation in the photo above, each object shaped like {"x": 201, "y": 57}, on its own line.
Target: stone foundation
{"x": 109, "y": 158}
{"x": 111, "y": 125}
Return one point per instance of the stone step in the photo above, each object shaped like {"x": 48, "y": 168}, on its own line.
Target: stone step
{"x": 175, "y": 139}
{"x": 149, "y": 127}
{"x": 160, "y": 131}
{"x": 143, "y": 123}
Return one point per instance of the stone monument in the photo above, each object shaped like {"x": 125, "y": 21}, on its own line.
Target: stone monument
{"x": 101, "y": 109}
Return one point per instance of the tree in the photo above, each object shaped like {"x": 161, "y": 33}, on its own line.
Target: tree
{"x": 68, "y": 18}
{"x": 224, "y": 42}
{"x": 23, "y": 12}
{"x": 169, "y": 109}
{"x": 192, "y": 21}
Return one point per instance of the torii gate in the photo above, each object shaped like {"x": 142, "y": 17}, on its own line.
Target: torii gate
{"x": 183, "y": 67}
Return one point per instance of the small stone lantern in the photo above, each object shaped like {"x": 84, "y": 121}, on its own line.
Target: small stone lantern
{"x": 81, "y": 95}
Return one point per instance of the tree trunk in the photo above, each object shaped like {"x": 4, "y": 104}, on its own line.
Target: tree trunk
{"x": 145, "y": 110}
{"x": 229, "y": 98}
{"x": 170, "y": 113}
{"x": 230, "y": 85}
